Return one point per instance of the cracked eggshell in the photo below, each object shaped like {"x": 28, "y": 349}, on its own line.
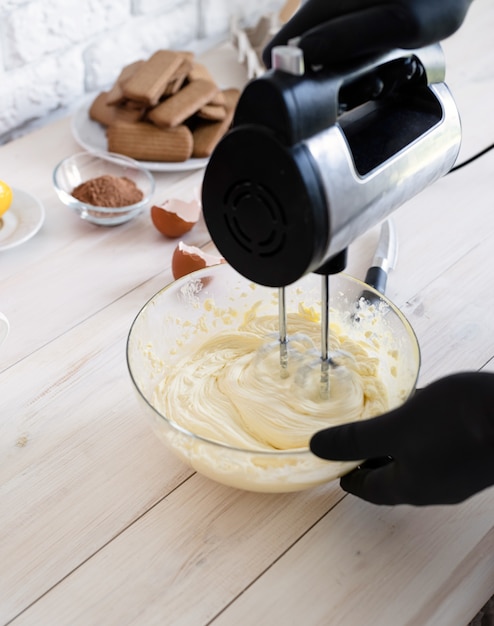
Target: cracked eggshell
{"x": 187, "y": 259}
{"x": 175, "y": 217}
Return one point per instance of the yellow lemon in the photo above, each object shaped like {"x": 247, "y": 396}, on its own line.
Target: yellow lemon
{"x": 5, "y": 197}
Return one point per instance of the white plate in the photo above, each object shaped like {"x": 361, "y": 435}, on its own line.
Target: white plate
{"x": 91, "y": 136}
{"x": 22, "y": 220}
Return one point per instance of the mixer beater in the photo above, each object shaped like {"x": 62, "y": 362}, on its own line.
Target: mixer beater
{"x": 290, "y": 59}
{"x": 315, "y": 158}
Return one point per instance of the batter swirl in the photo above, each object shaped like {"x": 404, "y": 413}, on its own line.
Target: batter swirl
{"x": 229, "y": 389}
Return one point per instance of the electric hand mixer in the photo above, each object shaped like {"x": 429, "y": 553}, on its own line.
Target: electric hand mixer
{"x": 316, "y": 158}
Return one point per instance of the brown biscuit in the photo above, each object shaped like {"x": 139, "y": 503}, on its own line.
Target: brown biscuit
{"x": 149, "y": 82}
{"x": 129, "y": 111}
{"x": 198, "y": 71}
{"x": 212, "y": 112}
{"x": 219, "y": 99}
{"x": 207, "y": 134}
{"x": 201, "y": 72}
{"x": 116, "y": 94}
{"x": 146, "y": 142}
{"x": 178, "y": 79}
{"x": 186, "y": 54}
{"x": 100, "y": 111}
{"x": 182, "y": 105}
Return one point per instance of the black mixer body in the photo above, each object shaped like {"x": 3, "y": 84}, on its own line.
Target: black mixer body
{"x": 313, "y": 161}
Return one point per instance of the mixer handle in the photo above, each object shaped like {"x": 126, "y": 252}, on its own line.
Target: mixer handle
{"x": 297, "y": 107}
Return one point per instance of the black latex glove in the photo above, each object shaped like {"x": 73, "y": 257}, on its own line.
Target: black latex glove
{"x": 441, "y": 444}
{"x": 333, "y": 31}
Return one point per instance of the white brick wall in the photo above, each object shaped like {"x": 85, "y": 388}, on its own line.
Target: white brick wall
{"x": 52, "y": 52}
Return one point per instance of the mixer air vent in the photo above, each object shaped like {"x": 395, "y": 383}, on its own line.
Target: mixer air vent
{"x": 255, "y": 220}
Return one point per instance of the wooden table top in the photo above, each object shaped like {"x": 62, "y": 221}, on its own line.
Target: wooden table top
{"x": 100, "y": 524}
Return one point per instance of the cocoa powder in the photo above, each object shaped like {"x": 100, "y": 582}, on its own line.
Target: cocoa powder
{"x": 108, "y": 191}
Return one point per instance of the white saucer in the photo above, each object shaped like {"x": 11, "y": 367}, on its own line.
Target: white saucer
{"x": 22, "y": 220}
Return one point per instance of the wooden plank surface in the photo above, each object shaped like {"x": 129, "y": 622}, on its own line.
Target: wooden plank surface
{"x": 101, "y": 525}
{"x": 186, "y": 559}
{"x": 376, "y": 565}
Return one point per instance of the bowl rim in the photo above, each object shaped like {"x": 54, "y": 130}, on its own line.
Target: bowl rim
{"x": 222, "y": 445}
{"x": 112, "y": 157}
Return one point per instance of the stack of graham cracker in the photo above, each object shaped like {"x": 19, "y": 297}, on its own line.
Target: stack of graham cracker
{"x": 167, "y": 108}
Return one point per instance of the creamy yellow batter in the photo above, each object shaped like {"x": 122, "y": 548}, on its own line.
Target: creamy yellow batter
{"x": 230, "y": 389}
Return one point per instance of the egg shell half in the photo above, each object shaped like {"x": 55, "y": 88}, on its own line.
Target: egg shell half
{"x": 175, "y": 217}
{"x": 187, "y": 259}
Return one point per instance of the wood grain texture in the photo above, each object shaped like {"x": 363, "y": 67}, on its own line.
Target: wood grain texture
{"x": 100, "y": 524}
{"x": 186, "y": 559}
{"x": 377, "y": 565}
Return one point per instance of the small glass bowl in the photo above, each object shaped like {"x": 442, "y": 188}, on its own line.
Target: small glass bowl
{"x": 83, "y": 166}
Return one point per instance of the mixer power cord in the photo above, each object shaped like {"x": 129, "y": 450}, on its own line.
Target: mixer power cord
{"x": 471, "y": 159}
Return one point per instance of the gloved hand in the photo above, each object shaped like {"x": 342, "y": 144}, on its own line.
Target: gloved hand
{"x": 438, "y": 448}
{"x": 333, "y": 31}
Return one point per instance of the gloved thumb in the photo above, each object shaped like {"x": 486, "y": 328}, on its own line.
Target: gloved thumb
{"x": 369, "y": 438}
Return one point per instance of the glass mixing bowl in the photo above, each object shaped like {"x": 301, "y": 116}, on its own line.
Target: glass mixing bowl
{"x": 216, "y": 299}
